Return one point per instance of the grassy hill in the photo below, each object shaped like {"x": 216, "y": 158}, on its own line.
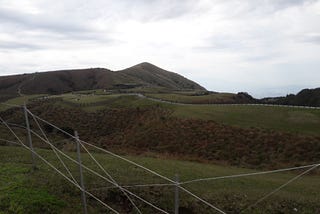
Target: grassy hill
{"x": 285, "y": 119}
{"x": 57, "y": 82}
{"x": 293, "y": 120}
{"x": 275, "y": 136}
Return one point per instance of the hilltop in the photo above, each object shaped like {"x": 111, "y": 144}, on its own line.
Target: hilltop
{"x": 62, "y": 81}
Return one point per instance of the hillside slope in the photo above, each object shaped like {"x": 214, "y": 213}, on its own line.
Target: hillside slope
{"x": 306, "y": 97}
{"x": 156, "y": 76}
{"x": 57, "y": 82}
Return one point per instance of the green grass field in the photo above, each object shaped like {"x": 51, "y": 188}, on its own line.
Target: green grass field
{"x": 296, "y": 120}
{"x": 188, "y": 98}
{"x": 24, "y": 191}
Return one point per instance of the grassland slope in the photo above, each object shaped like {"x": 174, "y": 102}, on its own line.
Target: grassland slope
{"x": 44, "y": 191}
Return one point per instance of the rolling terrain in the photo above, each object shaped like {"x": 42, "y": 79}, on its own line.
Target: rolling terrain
{"x": 168, "y": 124}
{"x": 143, "y": 78}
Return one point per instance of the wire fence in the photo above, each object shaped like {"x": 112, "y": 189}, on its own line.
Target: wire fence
{"x": 125, "y": 189}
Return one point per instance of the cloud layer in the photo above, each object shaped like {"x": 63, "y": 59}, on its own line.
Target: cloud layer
{"x": 267, "y": 47}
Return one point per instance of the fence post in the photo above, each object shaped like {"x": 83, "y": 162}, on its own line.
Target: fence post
{"x": 34, "y": 167}
{"x": 83, "y": 194}
{"x": 176, "y": 195}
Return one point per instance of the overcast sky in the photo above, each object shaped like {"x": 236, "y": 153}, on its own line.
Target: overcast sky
{"x": 264, "y": 47}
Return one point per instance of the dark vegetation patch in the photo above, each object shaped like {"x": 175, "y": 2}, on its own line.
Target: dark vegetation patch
{"x": 126, "y": 86}
{"x": 306, "y": 97}
{"x": 204, "y": 97}
{"x": 4, "y": 98}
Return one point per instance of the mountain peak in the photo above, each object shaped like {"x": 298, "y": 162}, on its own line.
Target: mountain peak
{"x": 145, "y": 65}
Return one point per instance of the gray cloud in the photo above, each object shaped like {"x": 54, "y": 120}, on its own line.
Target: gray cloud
{"x": 5, "y": 45}
{"x": 51, "y": 26}
{"x": 315, "y": 39}
{"x": 280, "y": 4}
{"x": 261, "y": 8}
{"x": 31, "y": 21}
